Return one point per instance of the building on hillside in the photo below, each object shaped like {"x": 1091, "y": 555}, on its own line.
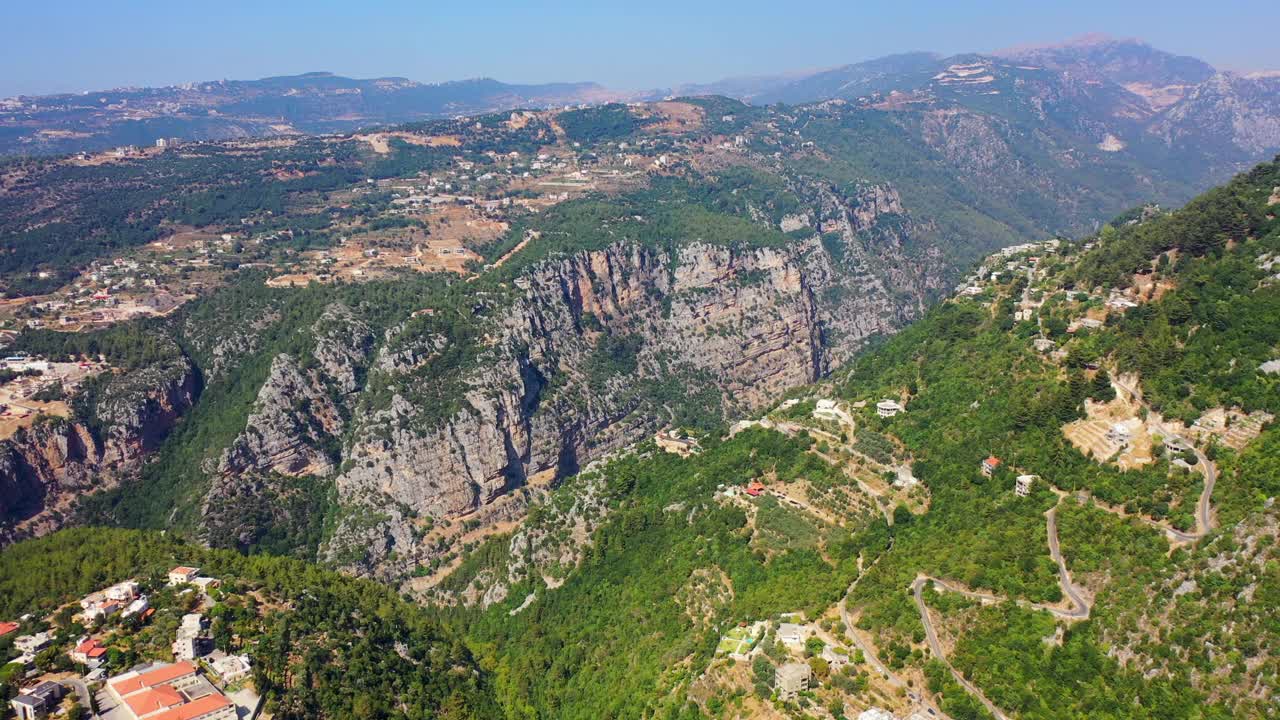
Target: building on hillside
{"x": 793, "y": 635}
{"x": 876, "y": 714}
{"x": 191, "y": 642}
{"x": 790, "y": 680}
{"x": 183, "y": 575}
{"x": 169, "y": 692}
{"x": 1043, "y": 345}
{"x": 888, "y": 408}
{"x": 990, "y": 465}
{"x": 31, "y": 643}
{"x": 754, "y": 488}
{"x": 88, "y": 652}
{"x": 232, "y": 668}
{"x": 836, "y": 657}
{"x": 38, "y": 701}
{"x": 829, "y": 410}
{"x": 1118, "y": 433}
{"x": 8, "y": 627}
{"x": 137, "y": 607}
{"x": 673, "y": 442}
{"x": 1022, "y": 486}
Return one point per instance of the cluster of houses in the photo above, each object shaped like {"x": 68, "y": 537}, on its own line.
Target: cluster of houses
{"x": 96, "y": 297}
{"x": 122, "y": 598}
{"x": 158, "y": 692}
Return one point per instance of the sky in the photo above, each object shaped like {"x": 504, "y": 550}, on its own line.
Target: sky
{"x": 53, "y": 46}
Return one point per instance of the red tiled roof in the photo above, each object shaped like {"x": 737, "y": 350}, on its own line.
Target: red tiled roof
{"x": 160, "y": 697}
{"x": 88, "y": 645}
{"x": 151, "y": 678}
{"x": 7, "y": 627}
{"x": 992, "y": 461}
{"x": 194, "y": 710}
{"x": 183, "y": 570}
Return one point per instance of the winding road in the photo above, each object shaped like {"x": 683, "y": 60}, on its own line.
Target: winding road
{"x": 1069, "y": 590}
{"x": 1204, "y": 507}
{"x": 1079, "y": 611}
{"x": 917, "y": 588}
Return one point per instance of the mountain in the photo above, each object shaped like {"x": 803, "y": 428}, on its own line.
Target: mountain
{"x": 1052, "y": 496}
{"x": 882, "y": 75}
{"x": 310, "y": 103}
{"x": 1160, "y": 77}
{"x": 748, "y": 88}
{"x": 712, "y": 256}
{"x": 680, "y": 409}
{"x": 1067, "y": 510}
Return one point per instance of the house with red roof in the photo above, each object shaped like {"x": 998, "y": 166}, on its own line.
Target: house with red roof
{"x": 7, "y": 627}
{"x": 89, "y": 652}
{"x": 990, "y": 465}
{"x": 754, "y": 488}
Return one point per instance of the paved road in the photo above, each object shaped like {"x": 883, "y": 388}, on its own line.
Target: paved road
{"x": 870, "y": 655}
{"x": 917, "y": 588}
{"x": 1204, "y": 507}
{"x": 1064, "y": 576}
{"x": 82, "y": 692}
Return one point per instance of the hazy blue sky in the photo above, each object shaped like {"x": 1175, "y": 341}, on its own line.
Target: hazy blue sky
{"x": 71, "y": 45}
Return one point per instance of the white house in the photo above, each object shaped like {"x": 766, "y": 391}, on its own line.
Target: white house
{"x": 232, "y": 667}
{"x": 794, "y": 635}
{"x": 182, "y": 575}
{"x": 888, "y": 408}
{"x": 1118, "y": 433}
{"x": 829, "y": 410}
{"x": 1022, "y": 486}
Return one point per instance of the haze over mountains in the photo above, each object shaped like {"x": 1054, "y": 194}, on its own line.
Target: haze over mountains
{"x": 1126, "y": 89}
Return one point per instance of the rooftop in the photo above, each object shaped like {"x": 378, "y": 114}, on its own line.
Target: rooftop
{"x": 127, "y": 684}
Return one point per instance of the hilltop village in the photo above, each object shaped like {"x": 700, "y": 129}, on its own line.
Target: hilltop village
{"x": 148, "y": 648}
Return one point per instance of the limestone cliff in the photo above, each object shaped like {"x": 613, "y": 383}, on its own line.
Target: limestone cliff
{"x": 45, "y": 468}
{"x": 600, "y": 349}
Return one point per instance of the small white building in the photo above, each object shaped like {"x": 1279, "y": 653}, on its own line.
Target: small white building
{"x": 1022, "y": 485}
{"x": 183, "y": 575}
{"x": 1043, "y": 344}
{"x": 829, "y": 410}
{"x": 1118, "y": 433}
{"x": 232, "y": 667}
{"x": 990, "y": 465}
{"x": 136, "y": 607}
{"x": 888, "y": 408}
{"x": 794, "y": 635}
{"x": 30, "y": 644}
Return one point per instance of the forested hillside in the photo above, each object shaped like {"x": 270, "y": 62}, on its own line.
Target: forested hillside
{"x": 323, "y": 645}
{"x": 1138, "y": 582}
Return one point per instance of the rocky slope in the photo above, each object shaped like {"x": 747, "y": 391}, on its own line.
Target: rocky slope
{"x": 44, "y": 468}
{"x": 582, "y": 354}
{"x": 729, "y": 328}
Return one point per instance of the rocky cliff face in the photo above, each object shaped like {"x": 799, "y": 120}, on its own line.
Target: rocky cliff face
{"x": 599, "y": 350}
{"x": 44, "y": 468}
{"x": 294, "y": 431}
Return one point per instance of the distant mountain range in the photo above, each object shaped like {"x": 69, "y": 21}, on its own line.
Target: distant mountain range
{"x": 312, "y": 103}
{"x": 1125, "y": 90}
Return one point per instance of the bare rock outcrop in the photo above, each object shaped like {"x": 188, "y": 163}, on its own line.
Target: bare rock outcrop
{"x": 44, "y": 469}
